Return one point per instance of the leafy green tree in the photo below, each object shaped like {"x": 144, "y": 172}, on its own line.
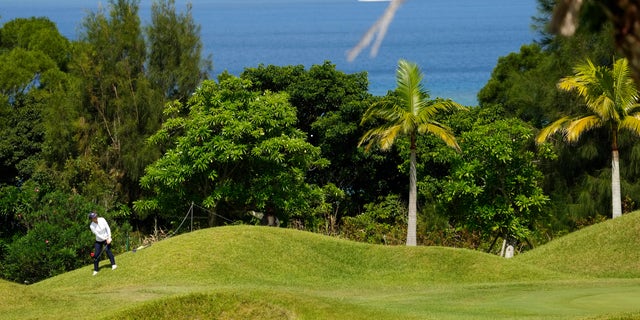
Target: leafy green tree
{"x": 611, "y": 98}
{"x": 323, "y": 90}
{"x": 408, "y": 113}
{"x": 21, "y": 143}
{"x": 35, "y": 81}
{"x": 518, "y": 83}
{"x": 36, "y": 34}
{"x": 176, "y": 66}
{"x": 363, "y": 176}
{"x": 36, "y": 109}
{"x": 120, "y": 109}
{"x": 495, "y": 187}
{"x": 236, "y": 150}
{"x": 61, "y": 109}
{"x": 21, "y": 70}
{"x": 27, "y": 75}
{"x": 330, "y": 104}
{"x": 125, "y": 82}
{"x": 315, "y": 93}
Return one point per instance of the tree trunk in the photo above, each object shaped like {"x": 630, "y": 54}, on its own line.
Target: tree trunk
{"x": 413, "y": 193}
{"x": 212, "y": 217}
{"x": 616, "y": 198}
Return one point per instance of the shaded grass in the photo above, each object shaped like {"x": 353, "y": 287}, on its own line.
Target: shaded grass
{"x": 245, "y": 272}
{"x": 207, "y": 306}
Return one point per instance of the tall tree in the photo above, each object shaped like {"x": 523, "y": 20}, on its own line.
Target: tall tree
{"x": 32, "y": 63}
{"x": 408, "y": 112}
{"x": 120, "y": 108}
{"x": 21, "y": 112}
{"x": 611, "y": 98}
{"x": 235, "y": 150}
{"x": 36, "y": 34}
{"x": 494, "y": 188}
{"x": 329, "y": 106}
{"x": 176, "y": 65}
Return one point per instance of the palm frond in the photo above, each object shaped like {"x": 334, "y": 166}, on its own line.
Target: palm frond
{"x": 389, "y": 137}
{"x": 409, "y": 123}
{"x": 604, "y": 107}
{"x": 430, "y": 111}
{"x": 632, "y": 124}
{"x": 409, "y": 81}
{"x": 609, "y": 93}
{"x": 577, "y": 127}
{"x": 627, "y": 93}
{"x": 623, "y": 80}
{"x": 385, "y": 110}
{"x": 571, "y": 129}
{"x": 585, "y": 75}
{"x": 384, "y": 136}
{"x": 632, "y": 109}
{"x": 550, "y": 130}
{"x": 569, "y": 84}
{"x": 441, "y": 131}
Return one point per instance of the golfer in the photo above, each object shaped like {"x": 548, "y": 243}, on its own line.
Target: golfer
{"x": 100, "y": 228}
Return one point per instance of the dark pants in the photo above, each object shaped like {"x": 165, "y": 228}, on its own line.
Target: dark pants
{"x": 99, "y": 246}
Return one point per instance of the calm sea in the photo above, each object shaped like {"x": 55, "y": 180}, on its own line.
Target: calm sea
{"x": 455, "y": 42}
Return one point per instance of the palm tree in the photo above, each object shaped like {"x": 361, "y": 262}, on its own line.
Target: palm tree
{"x": 611, "y": 98}
{"x": 408, "y": 114}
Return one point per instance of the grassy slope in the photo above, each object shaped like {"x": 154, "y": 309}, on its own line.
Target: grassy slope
{"x": 244, "y": 272}
{"x": 610, "y": 249}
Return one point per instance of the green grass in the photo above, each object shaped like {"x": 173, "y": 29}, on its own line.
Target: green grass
{"x": 245, "y": 272}
{"x": 606, "y": 250}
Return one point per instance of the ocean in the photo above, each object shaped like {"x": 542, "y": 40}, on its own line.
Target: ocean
{"x": 456, "y": 43}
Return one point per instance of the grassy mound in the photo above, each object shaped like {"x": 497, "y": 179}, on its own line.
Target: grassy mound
{"x": 245, "y": 272}
{"x": 285, "y": 257}
{"x": 607, "y": 250}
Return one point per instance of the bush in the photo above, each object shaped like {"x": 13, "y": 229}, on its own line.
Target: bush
{"x": 57, "y": 238}
{"x": 384, "y": 222}
{"x": 45, "y": 251}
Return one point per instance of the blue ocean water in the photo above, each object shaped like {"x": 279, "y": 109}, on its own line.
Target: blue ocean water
{"x": 455, "y": 42}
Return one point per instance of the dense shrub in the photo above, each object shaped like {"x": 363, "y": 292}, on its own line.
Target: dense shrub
{"x": 56, "y": 236}
{"x": 45, "y": 251}
{"x": 383, "y": 222}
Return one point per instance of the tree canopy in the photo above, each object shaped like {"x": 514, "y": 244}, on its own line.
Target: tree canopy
{"x": 237, "y": 150}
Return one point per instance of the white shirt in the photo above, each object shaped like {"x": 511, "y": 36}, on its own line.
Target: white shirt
{"x": 101, "y": 230}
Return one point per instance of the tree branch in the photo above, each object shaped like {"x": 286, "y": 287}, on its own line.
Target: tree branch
{"x": 379, "y": 28}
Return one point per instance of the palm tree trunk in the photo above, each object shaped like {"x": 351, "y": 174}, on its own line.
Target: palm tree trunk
{"x": 413, "y": 193}
{"x": 616, "y": 196}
